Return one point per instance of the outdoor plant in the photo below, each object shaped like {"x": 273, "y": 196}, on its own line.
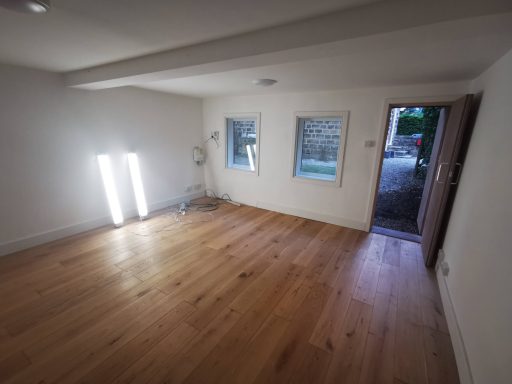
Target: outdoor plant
{"x": 428, "y": 130}
{"x": 410, "y": 121}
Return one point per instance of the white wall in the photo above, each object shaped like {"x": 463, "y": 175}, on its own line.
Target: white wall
{"x": 478, "y": 241}
{"x": 274, "y": 188}
{"x": 50, "y": 134}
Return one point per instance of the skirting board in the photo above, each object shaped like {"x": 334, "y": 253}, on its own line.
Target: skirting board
{"x": 59, "y": 233}
{"x": 311, "y": 215}
{"x": 459, "y": 349}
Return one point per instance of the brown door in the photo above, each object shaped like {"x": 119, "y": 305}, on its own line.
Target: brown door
{"x": 427, "y": 189}
{"x": 445, "y": 177}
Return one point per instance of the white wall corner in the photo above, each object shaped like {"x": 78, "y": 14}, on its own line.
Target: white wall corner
{"x": 459, "y": 349}
{"x": 70, "y": 230}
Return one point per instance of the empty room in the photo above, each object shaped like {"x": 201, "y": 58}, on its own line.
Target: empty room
{"x": 272, "y": 191}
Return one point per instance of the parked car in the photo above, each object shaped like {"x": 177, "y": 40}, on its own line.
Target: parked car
{"x": 417, "y": 135}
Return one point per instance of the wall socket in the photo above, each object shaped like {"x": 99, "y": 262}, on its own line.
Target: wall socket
{"x": 189, "y": 188}
{"x": 197, "y": 187}
{"x": 445, "y": 268}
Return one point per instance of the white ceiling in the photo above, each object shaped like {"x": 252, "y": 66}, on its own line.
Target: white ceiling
{"x": 78, "y": 34}
{"x": 442, "y": 52}
{"x": 376, "y": 42}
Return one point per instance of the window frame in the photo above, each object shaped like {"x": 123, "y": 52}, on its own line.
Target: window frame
{"x": 297, "y": 140}
{"x": 228, "y": 145}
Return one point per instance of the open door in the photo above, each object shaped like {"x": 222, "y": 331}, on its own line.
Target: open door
{"x": 427, "y": 189}
{"x": 445, "y": 173}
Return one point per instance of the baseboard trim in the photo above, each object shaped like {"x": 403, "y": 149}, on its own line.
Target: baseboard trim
{"x": 459, "y": 349}
{"x": 73, "y": 229}
{"x": 311, "y": 215}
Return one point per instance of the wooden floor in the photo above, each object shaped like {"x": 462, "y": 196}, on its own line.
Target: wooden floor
{"x": 240, "y": 296}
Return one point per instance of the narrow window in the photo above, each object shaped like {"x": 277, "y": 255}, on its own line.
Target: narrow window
{"x": 319, "y": 144}
{"x": 242, "y": 145}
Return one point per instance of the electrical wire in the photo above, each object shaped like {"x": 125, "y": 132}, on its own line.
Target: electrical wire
{"x": 176, "y": 215}
{"x": 204, "y": 207}
{"x": 191, "y": 209}
{"x": 223, "y": 197}
{"x": 212, "y": 137}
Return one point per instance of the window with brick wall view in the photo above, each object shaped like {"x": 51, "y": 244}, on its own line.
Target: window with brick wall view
{"x": 241, "y": 143}
{"x": 318, "y": 143}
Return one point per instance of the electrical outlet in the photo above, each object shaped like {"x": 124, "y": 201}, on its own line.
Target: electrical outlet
{"x": 216, "y": 135}
{"x": 189, "y": 188}
{"x": 197, "y": 187}
{"x": 445, "y": 268}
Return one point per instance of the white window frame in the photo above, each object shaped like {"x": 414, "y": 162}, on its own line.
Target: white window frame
{"x": 229, "y": 165}
{"x": 298, "y": 136}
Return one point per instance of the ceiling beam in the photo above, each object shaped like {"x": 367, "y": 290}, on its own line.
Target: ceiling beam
{"x": 283, "y": 43}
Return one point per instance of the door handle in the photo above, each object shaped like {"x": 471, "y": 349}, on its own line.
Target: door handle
{"x": 439, "y": 172}
{"x": 459, "y": 166}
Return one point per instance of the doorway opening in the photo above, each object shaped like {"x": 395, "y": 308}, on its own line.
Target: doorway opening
{"x": 403, "y": 184}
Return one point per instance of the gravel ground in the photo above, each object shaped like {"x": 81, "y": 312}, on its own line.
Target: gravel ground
{"x": 399, "y": 196}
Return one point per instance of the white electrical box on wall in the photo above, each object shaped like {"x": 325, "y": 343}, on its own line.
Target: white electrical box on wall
{"x": 198, "y": 155}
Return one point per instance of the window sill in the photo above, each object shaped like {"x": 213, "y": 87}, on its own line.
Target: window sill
{"x": 242, "y": 171}
{"x": 319, "y": 182}
{"x": 315, "y": 176}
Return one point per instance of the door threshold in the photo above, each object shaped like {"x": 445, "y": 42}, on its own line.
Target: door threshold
{"x": 398, "y": 234}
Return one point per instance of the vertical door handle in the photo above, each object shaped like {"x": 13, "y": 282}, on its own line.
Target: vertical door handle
{"x": 439, "y": 172}
{"x": 458, "y": 166}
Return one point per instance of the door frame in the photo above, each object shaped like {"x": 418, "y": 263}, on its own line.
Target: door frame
{"x": 427, "y": 101}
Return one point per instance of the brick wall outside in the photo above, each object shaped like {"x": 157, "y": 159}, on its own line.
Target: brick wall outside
{"x": 321, "y": 140}
{"x": 245, "y": 133}
{"x": 405, "y": 141}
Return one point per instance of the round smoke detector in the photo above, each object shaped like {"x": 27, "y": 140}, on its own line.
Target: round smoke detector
{"x": 26, "y": 6}
{"x": 264, "y": 82}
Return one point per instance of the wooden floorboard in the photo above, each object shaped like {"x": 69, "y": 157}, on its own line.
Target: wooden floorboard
{"x": 237, "y": 295}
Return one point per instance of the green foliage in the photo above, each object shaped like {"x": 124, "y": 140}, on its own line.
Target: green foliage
{"x": 428, "y": 129}
{"x": 409, "y": 124}
{"x": 416, "y": 111}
